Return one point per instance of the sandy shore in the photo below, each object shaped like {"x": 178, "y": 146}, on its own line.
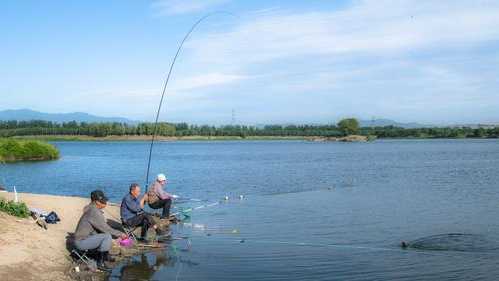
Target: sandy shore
{"x": 29, "y": 252}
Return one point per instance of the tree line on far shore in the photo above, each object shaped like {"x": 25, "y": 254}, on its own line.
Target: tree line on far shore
{"x": 344, "y": 127}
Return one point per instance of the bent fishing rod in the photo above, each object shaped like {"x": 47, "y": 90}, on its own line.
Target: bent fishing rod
{"x": 193, "y": 27}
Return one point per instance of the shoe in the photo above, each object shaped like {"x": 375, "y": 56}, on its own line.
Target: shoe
{"x": 144, "y": 240}
{"x": 101, "y": 262}
{"x": 159, "y": 231}
{"x": 173, "y": 219}
{"x": 164, "y": 238}
{"x": 108, "y": 257}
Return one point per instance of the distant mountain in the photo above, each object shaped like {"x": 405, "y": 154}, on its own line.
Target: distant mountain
{"x": 476, "y": 126}
{"x": 388, "y": 122}
{"x": 27, "y": 114}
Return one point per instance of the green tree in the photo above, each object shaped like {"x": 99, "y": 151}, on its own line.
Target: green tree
{"x": 349, "y": 126}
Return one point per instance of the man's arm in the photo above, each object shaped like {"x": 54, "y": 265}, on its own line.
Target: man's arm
{"x": 143, "y": 200}
{"x": 98, "y": 222}
{"x": 162, "y": 194}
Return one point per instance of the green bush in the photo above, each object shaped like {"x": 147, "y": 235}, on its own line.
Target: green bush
{"x": 15, "y": 209}
{"x": 349, "y": 126}
{"x": 16, "y": 150}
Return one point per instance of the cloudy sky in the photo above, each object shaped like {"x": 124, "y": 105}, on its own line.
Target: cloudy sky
{"x": 268, "y": 61}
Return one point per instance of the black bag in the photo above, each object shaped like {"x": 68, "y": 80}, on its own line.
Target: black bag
{"x": 52, "y": 217}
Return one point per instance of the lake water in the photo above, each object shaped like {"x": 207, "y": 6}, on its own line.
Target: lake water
{"x": 311, "y": 211}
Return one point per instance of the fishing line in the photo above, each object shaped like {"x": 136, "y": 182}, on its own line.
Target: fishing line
{"x": 447, "y": 253}
{"x": 201, "y": 228}
{"x": 184, "y": 200}
{"x": 178, "y": 272}
{"x": 110, "y": 214}
{"x": 187, "y": 211}
{"x": 209, "y": 231}
{"x": 166, "y": 85}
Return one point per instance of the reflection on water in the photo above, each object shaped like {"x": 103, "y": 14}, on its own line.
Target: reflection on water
{"x": 144, "y": 266}
{"x": 140, "y": 267}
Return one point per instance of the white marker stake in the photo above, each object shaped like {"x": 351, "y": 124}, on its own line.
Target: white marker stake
{"x": 15, "y": 194}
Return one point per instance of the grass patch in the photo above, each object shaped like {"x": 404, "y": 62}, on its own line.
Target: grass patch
{"x": 26, "y": 150}
{"x": 14, "y": 209}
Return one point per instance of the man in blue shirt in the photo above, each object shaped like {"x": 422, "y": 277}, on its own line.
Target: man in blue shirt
{"x": 132, "y": 211}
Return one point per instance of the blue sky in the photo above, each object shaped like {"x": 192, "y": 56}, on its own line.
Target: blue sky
{"x": 271, "y": 61}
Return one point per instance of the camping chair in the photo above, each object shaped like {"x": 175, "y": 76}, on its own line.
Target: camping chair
{"x": 129, "y": 230}
{"x": 81, "y": 255}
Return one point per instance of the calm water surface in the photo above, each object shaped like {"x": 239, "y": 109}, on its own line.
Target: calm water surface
{"x": 312, "y": 211}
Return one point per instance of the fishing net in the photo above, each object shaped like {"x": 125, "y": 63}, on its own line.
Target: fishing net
{"x": 454, "y": 242}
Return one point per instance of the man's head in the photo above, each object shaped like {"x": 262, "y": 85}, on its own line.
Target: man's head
{"x": 161, "y": 178}
{"x": 98, "y": 197}
{"x": 135, "y": 190}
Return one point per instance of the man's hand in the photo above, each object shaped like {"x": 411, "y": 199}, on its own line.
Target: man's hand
{"x": 143, "y": 200}
{"x": 123, "y": 236}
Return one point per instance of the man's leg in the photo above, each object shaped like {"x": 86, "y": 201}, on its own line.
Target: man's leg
{"x": 166, "y": 208}
{"x": 165, "y": 204}
{"x": 101, "y": 242}
{"x": 140, "y": 220}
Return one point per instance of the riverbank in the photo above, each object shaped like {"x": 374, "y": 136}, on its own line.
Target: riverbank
{"x": 29, "y": 252}
{"x": 158, "y": 138}
{"x": 351, "y": 138}
{"x": 12, "y": 150}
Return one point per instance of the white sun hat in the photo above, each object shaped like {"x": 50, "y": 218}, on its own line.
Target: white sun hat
{"x": 161, "y": 177}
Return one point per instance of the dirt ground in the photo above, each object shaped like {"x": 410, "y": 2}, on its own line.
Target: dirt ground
{"x": 29, "y": 252}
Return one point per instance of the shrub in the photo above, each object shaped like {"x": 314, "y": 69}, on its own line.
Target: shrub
{"x": 15, "y": 150}
{"x": 349, "y": 126}
{"x": 14, "y": 209}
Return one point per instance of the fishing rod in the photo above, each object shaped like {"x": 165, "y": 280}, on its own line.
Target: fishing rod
{"x": 193, "y": 27}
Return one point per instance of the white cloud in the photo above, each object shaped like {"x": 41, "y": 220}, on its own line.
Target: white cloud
{"x": 373, "y": 57}
{"x": 175, "y": 7}
{"x": 406, "y": 60}
{"x": 366, "y": 27}
{"x": 205, "y": 80}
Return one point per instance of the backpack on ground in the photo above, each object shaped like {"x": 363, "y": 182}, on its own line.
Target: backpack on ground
{"x": 52, "y": 218}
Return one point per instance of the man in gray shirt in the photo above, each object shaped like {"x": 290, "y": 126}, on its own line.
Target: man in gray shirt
{"x": 92, "y": 231}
